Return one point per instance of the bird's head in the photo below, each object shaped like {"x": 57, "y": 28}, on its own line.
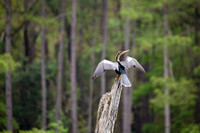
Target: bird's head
{"x": 119, "y": 54}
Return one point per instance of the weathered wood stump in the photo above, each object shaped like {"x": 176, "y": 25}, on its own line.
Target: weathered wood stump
{"x": 108, "y": 109}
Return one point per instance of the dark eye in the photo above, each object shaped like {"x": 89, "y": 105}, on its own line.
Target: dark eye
{"x": 134, "y": 66}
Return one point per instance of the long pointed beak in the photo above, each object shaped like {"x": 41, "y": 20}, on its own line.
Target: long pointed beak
{"x": 125, "y": 51}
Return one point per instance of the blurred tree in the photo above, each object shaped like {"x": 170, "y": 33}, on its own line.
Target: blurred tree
{"x": 196, "y": 25}
{"x": 9, "y": 111}
{"x": 26, "y": 36}
{"x": 104, "y": 38}
{"x": 166, "y": 71}
{"x": 126, "y": 91}
{"x": 73, "y": 69}
{"x": 132, "y": 75}
{"x": 92, "y": 70}
{"x": 30, "y": 32}
{"x": 6, "y": 64}
{"x": 43, "y": 73}
{"x": 60, "y": 64}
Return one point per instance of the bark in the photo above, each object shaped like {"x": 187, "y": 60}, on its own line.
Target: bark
{"x": 32, "y": 39}
{"x": 197, "y": 26}
{"x": 131, "y": 75}
{"x": 126, "y": 93}
{"x": 60, "y": 65}
{"x": 26, "y": 39}
{"x": 26, "y": 42}
{"x": 30, "y": 36}
{"x": 68, "y": 32}
{"x": 167, "y": 107}
{"x": 91, "y": 96}
{"x": 104, "y": 37}
{"x": 73, "y": 68}
{"x": 91, "y": 81}
{"x": 196, "y": 64}
{"x": 8, "y": 73}
{"x": 43, "y": 73}
{"x": 108, "y": 109}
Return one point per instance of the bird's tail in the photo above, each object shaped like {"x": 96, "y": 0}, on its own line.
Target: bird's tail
{"x": 125, "y": 81}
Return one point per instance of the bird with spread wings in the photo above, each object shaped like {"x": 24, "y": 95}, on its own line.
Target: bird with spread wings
{"x": 120, "y": 67}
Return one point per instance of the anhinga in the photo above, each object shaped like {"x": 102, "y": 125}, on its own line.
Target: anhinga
{"x": 120, "y": 67}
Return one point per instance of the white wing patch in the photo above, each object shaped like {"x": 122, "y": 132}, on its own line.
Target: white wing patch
{"x": 103, "y": 66}
{"x": 131, "y": 62}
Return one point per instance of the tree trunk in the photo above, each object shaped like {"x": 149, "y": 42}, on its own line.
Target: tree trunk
{"x": 197, "y": 26}
{"x": 196, "y": 64}
{"x": 73, "y": 68}
{"x": 92, "y": 70}
{"x": 60, "y": 65}
{"x": 108, "y": 109}
{"x": 167, "y": 107}
{"x": 8, "y": 73}
{"x": 104, "y": 37}
{"x": 43, "y": 76}
{"x": 132, "y": 74}
{"x": 91, "y": 95}
{"x": 126, "y": 93}
{"x": 30, "y": 36}
{"x": 26, "y": 39}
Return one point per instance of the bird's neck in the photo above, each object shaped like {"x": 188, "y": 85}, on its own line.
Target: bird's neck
{"x": 117, "y": 59}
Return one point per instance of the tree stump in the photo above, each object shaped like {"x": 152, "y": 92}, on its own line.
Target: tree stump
{"x": 108, "y": 109}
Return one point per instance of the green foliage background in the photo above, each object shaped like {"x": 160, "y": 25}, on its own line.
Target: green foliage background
{"x": 183, "y": 43}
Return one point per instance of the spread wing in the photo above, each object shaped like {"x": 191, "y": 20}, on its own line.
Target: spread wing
{"x": 132, "y": 62}
{"x": 103, "y": 66}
